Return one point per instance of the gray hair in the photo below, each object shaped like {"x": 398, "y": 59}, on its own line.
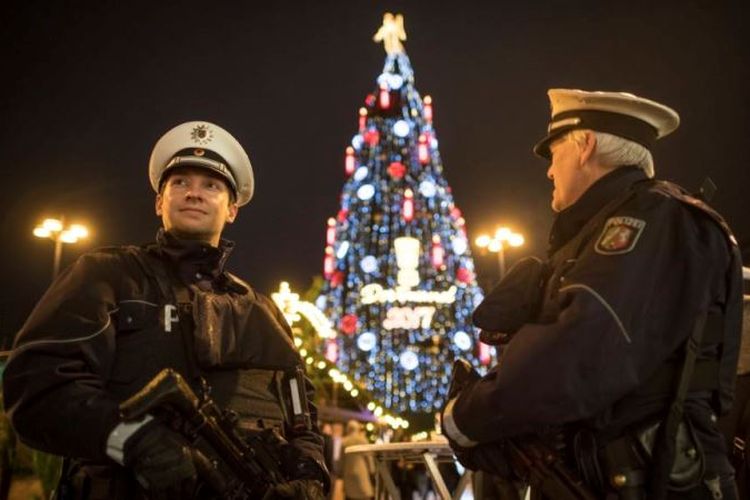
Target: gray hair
{"x": 615, "y": 151}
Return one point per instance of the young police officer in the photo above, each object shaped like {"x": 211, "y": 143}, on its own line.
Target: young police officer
{"x": 119, "y": 316}
{"x": 630, "y": 346}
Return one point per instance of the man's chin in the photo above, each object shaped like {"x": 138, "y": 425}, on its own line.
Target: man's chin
{"x": 189, "y": 233}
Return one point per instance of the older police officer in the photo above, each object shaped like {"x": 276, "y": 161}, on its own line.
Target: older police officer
{"x": 120, "y": 315}
{"x": 630, "y": 345}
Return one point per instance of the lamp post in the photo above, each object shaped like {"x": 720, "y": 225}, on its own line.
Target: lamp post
{"x": 496, "y": 244}
{"x": 55, "y": 230}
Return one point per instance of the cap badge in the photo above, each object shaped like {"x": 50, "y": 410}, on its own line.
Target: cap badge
{"x": 198, "y": 152}
{"x": 202, "y": 134}
{"x": 620, "y": 235}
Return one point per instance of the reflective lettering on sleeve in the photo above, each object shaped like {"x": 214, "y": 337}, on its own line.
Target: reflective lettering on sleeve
{"x": 170, "y": 316}
{"x": 451, "y": 429}
{"x": 296, "y": 402}
{"x": 607, "y": 307}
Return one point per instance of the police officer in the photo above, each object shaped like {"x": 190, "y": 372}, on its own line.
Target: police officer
{"x": 629, "y": 345}
{"x": 120, "y": 315}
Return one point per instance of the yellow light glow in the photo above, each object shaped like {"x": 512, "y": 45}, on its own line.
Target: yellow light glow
{"x": 495, "y": 246}
{"x": 348, "y": 386}
{"x": 502, "y": 233}
{"x": 371, "y": 406}
{"x": 303, "y": 352}
{"x": 516, "y": 240}
{"x": 68, "y": 237}
{"x": 369, "y": 426}
{"x": 309, "y": 361}
{"x": 483, "y": 241}
{"x": 297, "y": 341}
{"x": 41, "y": 232}
{"x": 79, "y": 230}
{"x": 354, "y": 393}
{"x": 52, "y": 225}
{"x": 321, "y": 365}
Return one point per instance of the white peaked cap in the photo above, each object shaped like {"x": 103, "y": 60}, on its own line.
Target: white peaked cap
{"x": 204, "y": 145}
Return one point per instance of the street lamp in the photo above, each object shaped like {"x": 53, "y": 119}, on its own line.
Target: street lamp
{"x": 55, "y": 230}
{"x": 496, "y": 244}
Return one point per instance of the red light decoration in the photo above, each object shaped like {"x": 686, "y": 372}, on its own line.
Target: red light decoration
{"x": 331, "y": 231}
{"x": 328, "y": 263}
{"x": 407, "y": 210}
{"x": 348, "y": 324}
{"x": 372, "y": 137}
{"x": 438, "y": 252}
{"x": 464, "y": 275}
{"x": 337, "y": 278}
{"x": 341, "y": 216}
{"x": 370, "y": 100}
{"x": 456, "y": 213}
{"x": 362, "y": 118}
{"x": 396, "y": 170}
{"x": 422, "y": 151}
{"x": 349, "y": 161}
{"x": 384, "y": 96}
{"x": 485, "y": 354}
{"x": 427, "y": 109}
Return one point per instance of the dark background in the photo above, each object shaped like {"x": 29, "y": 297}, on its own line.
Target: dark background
{"x": 88, "y": 87}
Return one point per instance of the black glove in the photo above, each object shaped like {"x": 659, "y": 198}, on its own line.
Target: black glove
{"x": 487, "y": 457}
{"x": 303, "y": 489}
{"x": 161, "y": 460}
{"x": 295, "y": 464}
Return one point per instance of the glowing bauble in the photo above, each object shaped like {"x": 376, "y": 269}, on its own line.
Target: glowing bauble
{"x": 369, "y": 264}
{"x": 396, "y": 170}
{"x": 459, "y": 245}
{"x": 427, "y": 188}
{"x": 337, "y": 278}
{"x": 348, "y": 324}
{"x": 366, "y": 341}
{"x": 365, "y": 192}
{"x": 408, "y": 360}
{"x": 401, "y": 128}
{"x": 372, "y": 137}
{"x": 462, "y": 340}
{"x": 360, "y": 173}
{"x": 464, "y": 275}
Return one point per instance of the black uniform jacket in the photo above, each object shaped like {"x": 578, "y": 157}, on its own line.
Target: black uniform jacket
{"x": 627, "y": 283}
{"x": 105, "y": 327}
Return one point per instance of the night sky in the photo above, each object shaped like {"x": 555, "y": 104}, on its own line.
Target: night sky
{"x": 88, "y": 87}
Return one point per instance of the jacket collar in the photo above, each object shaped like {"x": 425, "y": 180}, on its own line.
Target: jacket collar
{"x": 571, "y": 220}
{"x": 195, "y": 261}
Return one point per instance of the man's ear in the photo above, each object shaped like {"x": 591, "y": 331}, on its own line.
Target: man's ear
{"x": 588, "y": 147}
{"x": 232, "y": 212}
{"x": 157, "y": 204}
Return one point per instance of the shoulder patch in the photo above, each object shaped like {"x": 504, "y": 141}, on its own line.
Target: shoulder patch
{"x": 620, "y": 235}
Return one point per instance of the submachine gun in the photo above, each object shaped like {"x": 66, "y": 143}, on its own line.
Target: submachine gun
{"x": 234, "y": 466}
{"x": 532, "y": 460}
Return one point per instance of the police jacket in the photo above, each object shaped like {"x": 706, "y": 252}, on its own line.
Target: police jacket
{"x": 633, "y": 264}
{"x": 117, "y": 317}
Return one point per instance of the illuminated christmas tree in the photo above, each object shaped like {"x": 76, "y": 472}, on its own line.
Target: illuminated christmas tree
{"x": 400, "y": 284}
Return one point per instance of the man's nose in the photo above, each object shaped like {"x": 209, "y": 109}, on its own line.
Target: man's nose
{"x": 193, "y": 193}
{"x": 549, "y": 173}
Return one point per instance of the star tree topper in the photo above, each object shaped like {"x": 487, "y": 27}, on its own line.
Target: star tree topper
{"x": 391, "y": 33}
